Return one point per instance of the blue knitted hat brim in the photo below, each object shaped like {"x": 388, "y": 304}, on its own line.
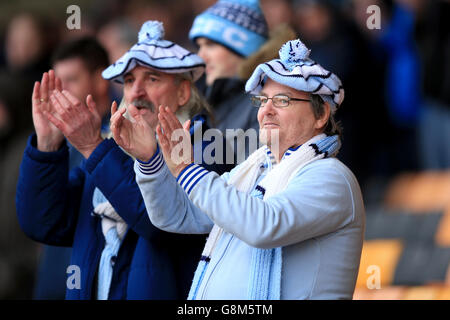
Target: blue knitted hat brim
{"x": 243, "y": 47}
{"x": 222, "y": 44}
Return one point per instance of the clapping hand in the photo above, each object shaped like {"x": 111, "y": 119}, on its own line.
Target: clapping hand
{"x": 49, "y": 137}
{"x": 175, "y": 141}
{"x": 80, "y": 123}
{"x": 136, "y": 137}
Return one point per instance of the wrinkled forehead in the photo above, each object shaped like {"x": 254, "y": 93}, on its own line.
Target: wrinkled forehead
{"x": 144, "y": 70}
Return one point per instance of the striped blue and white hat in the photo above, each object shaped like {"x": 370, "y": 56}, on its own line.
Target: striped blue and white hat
{"x": 238, "y": 25}
{"x": 296, "y": 70}
{"x": 154, "y": 52}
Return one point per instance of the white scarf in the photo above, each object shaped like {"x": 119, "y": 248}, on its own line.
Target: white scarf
{"x": 318, "y": 147}
{"x": 110, "y": 219}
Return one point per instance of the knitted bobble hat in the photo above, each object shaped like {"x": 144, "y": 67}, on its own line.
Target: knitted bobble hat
{"x": 295, "y": 69}
{"x": 153, "y": 51}
{"x": 238, "y": 25}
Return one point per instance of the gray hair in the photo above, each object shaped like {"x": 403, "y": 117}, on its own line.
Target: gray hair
{"x": 197, "y": 103}
{"x": 332, "y": 127}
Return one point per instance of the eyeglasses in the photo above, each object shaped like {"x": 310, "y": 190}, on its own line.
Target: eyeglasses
{"x": 279, "y": 100}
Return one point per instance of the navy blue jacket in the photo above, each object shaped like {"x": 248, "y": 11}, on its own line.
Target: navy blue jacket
{"x": 54, "y": 206}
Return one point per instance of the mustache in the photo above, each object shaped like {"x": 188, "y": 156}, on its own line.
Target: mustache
{"x": 269, "y": 119}
{"x": 142, "y": 103}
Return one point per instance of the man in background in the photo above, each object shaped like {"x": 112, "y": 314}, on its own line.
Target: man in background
{"x": 79, "y": 64}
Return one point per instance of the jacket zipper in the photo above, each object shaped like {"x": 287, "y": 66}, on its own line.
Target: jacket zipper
{"x": 225, "y": 251}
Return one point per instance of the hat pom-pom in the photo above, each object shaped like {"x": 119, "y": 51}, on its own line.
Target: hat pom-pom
{"x": 294, "y": 51}
{"x": 151, "y": 30}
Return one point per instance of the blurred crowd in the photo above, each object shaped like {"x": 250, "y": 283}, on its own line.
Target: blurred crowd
{"x": 396, "y": 113}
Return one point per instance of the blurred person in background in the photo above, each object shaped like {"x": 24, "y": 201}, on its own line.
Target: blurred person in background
{"x": 433, "y": 43}
{"x": 228, "y": 34}
{"x": 412, "y": 49}
{"x": 29, "y": 41}
{"x": 102, "y": 12}
{"x": 117, "y": 36}
{"x": 277, "y": 12}
{"x": 18, "y": 254}
{"x": 336, "y": 41}
{"x": 30, "y": 38}
{"x": 404, "y": 98}
{"x": 171, "y": 13}
{"x": 394, "y": 50}
{"x": 78, "y": 63}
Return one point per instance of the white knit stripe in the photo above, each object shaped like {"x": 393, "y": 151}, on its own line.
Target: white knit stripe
{"x": 241, "y": 184}
{"x": 191, "y": 176}
{"x": 153, "y": 166}
{"x": 214, "y": 235}
{"x": 305, "y": 71}
{"x": 247, "y": 169}
{"x": 328, "y": 85}
{"x": 195, "y": 180}
{"x": 158, "y": 52}
{"x": 184, "y": 178}
{"x": 156, "y": 170}
{"x": 184, "y": 173}
{"x": 278, "y": 178}
{"x": 322, "y": 89}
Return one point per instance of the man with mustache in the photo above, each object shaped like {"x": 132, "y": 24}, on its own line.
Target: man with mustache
{"x": 97, "y": 207}
{"x": 288, "y": 223}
